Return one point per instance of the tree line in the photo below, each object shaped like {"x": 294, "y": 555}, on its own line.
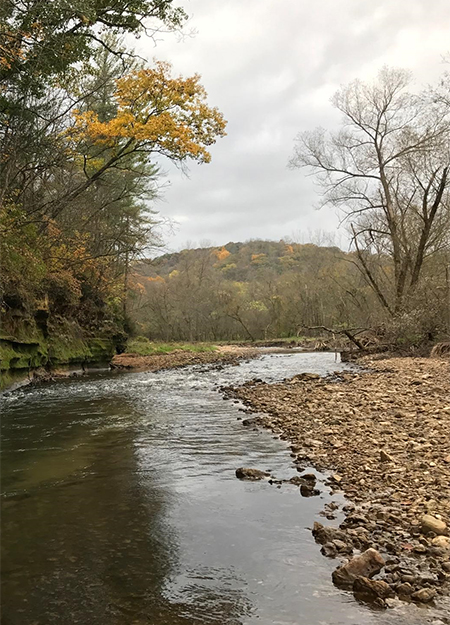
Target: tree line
{"x": 265, "y": 290}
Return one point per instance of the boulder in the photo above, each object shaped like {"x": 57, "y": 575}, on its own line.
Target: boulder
{"x": 432, "y": 524}
{"x": 372, "y": 588}
{"x": 251, "y": 474}
{"x": 367, "y": 564}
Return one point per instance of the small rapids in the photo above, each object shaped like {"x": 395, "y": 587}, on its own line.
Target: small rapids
{"x": 121, "y": 506}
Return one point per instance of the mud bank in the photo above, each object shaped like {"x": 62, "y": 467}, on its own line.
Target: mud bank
{"x": 178, "y": 358}
{"x": 384, "y": 433}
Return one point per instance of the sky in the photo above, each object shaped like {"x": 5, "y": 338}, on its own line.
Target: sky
{"x": 271, "y": 67}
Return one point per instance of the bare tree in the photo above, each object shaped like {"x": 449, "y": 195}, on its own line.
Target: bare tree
{"x": 387, "y": 170}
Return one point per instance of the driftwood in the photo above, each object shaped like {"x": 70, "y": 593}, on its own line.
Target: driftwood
{"x": 350, "y": 334}
{"x": 441, "y": 350}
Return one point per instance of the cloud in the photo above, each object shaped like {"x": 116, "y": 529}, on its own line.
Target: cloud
{"x": 271, "y": 67}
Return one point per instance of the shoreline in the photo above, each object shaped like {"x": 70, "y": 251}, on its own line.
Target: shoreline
{"x": 226, "y": 355}
{"x": 384, "y": 433}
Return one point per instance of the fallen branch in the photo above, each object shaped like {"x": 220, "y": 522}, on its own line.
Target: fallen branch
{"x": 347, "y": 333}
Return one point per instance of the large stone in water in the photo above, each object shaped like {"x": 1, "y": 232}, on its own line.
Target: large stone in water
{"x": 372, "y": 588}
{"x": 251, "y": 474}
{"x": 367, "y": 564}
{"x": 324, "y": 534}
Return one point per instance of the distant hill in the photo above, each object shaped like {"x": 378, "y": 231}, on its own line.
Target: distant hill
{"x": 243, "y": 261}
{"x": 256, "y": 289}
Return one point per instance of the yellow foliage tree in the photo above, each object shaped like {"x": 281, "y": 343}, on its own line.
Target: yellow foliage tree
{"x": 222, "y": 254}
{"x": 155, "y": 114}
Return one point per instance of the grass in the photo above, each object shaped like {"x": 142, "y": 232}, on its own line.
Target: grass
{"x": 144, "y": 347}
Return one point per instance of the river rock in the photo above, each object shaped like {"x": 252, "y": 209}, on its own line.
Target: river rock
{"x": 309, "y": 477}
{"x": 443, "y": 542}
{"x": 306, "y": 376}
{"x": 308, "y": 490}
{"x": 424, "y": 595}
{"x": 251, "y": 474}
{"x": 405, "y": 589}
{"x": 367, "y": 564}
{"x": 329, "y": 550}
{"x": 372, "y": 588}
{"x": 432, "y": 524}
{"x": 323, "y": 534}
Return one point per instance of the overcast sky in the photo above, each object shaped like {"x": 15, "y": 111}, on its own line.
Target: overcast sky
{"x": 271, "y": 67}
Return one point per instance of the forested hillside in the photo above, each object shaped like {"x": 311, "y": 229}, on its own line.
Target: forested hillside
{"x": 258, "y": 290}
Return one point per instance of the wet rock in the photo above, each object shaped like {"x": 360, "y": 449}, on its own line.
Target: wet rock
{"x": 432, "y": 524}
{"x": 251, "y": 474}
{"x": 306, "y": 376}
{"x": 372, "y": 588}
{"x": 342, "y": 547}
{"x": 329, "y": 550}
{"x": 308, "y": 490}
{"x": 409, "y": 579}
{"x": 251, "y": 421}
{"x": 309, "y": 477}
{"x": 296, "y": 480}
{"x": 324, "y": 534}
{"x": 424, "y": 595}
{"x": 367, "y": 564}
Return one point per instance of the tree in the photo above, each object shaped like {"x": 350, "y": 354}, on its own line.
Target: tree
{"x": 387, "y": 170}
{"x": 83, "y": 125}
{"x": 43, "y": 39}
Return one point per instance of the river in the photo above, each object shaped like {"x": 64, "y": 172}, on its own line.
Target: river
{"x": 121, "y": 506}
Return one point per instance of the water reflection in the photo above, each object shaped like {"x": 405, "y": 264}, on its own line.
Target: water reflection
{"x": 85, "y": 538}
{"x": 120, "y": 506}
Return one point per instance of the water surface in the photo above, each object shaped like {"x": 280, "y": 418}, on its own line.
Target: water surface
{"x": 120, "y": 506}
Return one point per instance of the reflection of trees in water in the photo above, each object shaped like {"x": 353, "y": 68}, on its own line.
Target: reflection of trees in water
{"x": 209, "y": 596}
{"x": 94, "y": 549}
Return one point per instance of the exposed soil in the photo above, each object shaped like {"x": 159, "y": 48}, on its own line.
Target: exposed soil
{"x": 385, "y": 432}
{"x": 227, "y": 354}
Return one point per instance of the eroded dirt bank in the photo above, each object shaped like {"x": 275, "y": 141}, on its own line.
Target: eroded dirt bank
{"x": 385, "y": 435}
{"x": 225, "y": 354}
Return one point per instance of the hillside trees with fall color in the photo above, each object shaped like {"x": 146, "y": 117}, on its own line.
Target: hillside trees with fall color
{"x": 84, "y": 124}
{"x": 248, "y": 291}
{"x": 268, "y": 290}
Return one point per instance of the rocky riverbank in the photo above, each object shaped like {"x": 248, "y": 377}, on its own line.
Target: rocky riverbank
{"x": 384, "y": 433}
{"x": 227, "y": 354}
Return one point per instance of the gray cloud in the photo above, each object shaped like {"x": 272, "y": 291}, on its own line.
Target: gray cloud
{"x": 271, "y": 67}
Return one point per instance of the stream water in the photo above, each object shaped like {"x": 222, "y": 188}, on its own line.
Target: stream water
{"x": 121, "y": 506}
